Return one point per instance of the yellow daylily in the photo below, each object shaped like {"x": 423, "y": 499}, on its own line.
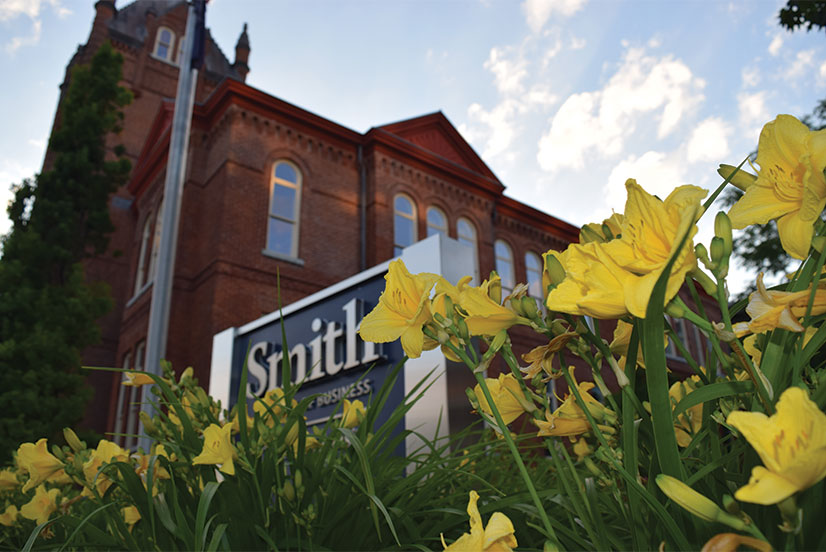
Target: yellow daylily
{"x": 271, "y": 408}
{"x": 790, "y": 185}
{"x": 582, "y": 449}
{"x": 130, "y": 515}
{"x": 689, "y": 422}
{"x": 9, "y": 516}
{"x": 770, "y": 309}
{"x": 594, "y": 285}
{"x": 8, "y": 480}
{"x": 41, "y": 506}
{"x": 39, "y": 463}
{"x": 106, "y": 452}
{"x": 136, "y": 379}
{"x": 540, "y": 359}
{"x": 497, "y": 536}
{"x": 352, "y": 413}
{"x": 403, "y": 309}
{"x": 444, "y": 291}
{"x": 570, "y": 420}
{"x": 484, "y": 315}
{"x": 791, "y": 443}
{"x": 597, "y": 232}
{"x": 218, "y": 448}
{"x": 505, "y": 392}
{"x": 651, "y": 231}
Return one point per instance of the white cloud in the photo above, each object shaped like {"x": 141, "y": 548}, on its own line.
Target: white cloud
{"x": 709, "y": 141}
{"x": 753, "y": 113}
{"x": 495, "y": 128}
{"x": 775, "y": 45}
{"x": 643, "y": 89}
{"x": 508, "y": 70}
{"x": 12, "y": 9}
{"x": 537, "y": 12}
{"x": 802, "y": 62}
{"x": 657, "y": 172}
{"x": 750, "y": 77}
{"x": 577, "y": 43}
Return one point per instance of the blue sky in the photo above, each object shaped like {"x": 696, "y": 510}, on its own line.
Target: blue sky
{"x": 564, "y": 99}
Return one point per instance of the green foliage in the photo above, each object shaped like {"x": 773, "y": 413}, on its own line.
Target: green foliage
{"x": 291, "y": 490}
{"x": 47, "y": 311}
{"x": 808, "y": 14}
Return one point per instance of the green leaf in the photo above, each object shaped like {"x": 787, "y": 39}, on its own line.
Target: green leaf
{"x": 711, "y": 392}
{"x": 203, "y": 508}
{"x": 656, "y": 373}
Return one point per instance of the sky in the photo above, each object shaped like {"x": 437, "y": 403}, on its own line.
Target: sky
{"x": 563, "y": 99}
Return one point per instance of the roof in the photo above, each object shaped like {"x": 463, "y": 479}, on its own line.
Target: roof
{"x": 129, "y": 26}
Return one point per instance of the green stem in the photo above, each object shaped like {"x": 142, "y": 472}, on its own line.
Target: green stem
{"x": 480, "y": 379}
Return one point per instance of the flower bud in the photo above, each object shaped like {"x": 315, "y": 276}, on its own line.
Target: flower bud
{"x": 471, "y": 397}
{"x": 461, "y": 327}
{"x": 556, "y": 272}
{"x": 529, "y": 307}
{"x": 722, "y": 229}
{"x": 736, "y": 177}
{"x": 731, "y": 505}
{"x": 719, "y": 257}
{"x": 701, "y": 253}
{"x": 288, "y": 491}
{"x": 186, "y": 374}
{"x": 72, "y": 440}
{"x": 695, "y": 503}
{"x": 148, "y": 424}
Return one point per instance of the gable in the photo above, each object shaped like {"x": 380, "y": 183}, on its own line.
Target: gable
{"x": 437, "y": 135}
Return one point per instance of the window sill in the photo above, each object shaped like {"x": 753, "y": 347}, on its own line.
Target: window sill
{"x": 138, "y": 295}
{"x": 282, "y": 257}
{"x": 164, "y": 60}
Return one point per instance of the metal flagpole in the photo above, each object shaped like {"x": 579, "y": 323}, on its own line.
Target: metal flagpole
{"x": 173, "y": 190}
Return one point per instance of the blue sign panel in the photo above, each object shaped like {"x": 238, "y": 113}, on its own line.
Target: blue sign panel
{"x": 326, "y": 354}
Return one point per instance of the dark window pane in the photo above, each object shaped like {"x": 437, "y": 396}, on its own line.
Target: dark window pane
{"x": 286, "y": 172}
{"x": 163, "y": 51}
{"x": 280, "y": 237}
{"x": 283, "y": 202}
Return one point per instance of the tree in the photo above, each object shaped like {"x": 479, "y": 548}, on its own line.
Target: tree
{"x": 758, "y": 246}
{"x": 48, "y": 311}
{"x": 810, "y": 14}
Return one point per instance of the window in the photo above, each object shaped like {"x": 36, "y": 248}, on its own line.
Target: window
{"x": 466, "y": 234}
{"x": 142, "y": 274}
{"x": 285, "y": 199}
{"x": 130, "y": 440}
{"x": 504, "y": 266}
{"x": 164, "y": 44}
{"x": 121, "y": 408}
{"x": 404, "y": 223}
{"x": 436, "y": 222}
{"x": 533, "y": 271}
{"x": 678, "y": 324}
{"x": 156, "y": 244}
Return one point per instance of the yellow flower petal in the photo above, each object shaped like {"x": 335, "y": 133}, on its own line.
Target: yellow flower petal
{"x": 791, "y": 443}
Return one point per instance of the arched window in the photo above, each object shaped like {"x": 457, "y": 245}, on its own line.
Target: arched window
{"x": 156, "y": 244}
{"x": 504, "y": 266}
{"x": 285, "y": 196}
{"x": 142, "y": 274}
{"x": 436, "y": 222}
{"x": 404, "y": 223}
{"x": 533, "y": 271}
{"x": 466, "y": 234}
{"x": 164, "y": 44}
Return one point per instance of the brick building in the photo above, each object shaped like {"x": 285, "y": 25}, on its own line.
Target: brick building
{"x": 272, "y": 189}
